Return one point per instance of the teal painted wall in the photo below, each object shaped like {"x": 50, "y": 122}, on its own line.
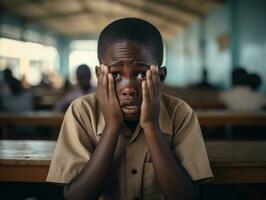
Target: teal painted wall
{"x": 218, "y": 61}
{"x": 252, "y": 37}
{"x": 243, "y": 23}
{"x": 183, "y": 58}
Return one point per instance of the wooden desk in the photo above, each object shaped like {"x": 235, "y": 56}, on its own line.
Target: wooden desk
{"x": 238, "y": 161}
{"x": 206, "y": 118}
{"x": 25, "y": 160}
{"x": 225, "y": 117}
{"x": 232, "y": 162}
{"x": 45, "y": 119}
{"x": 196, "y": 98}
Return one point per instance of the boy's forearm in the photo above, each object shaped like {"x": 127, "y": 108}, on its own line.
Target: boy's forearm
{"x": 90, "y": 181}
{"x": 173, "y": 180}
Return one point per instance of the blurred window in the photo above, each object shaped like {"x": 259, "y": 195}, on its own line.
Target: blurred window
{"x": 29, "y": 59}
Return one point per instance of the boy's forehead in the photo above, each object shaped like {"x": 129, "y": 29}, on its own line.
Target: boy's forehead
{"x": 127, "y": 51}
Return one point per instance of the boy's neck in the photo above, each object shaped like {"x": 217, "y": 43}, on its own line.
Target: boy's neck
{"x": 132, "y": 125}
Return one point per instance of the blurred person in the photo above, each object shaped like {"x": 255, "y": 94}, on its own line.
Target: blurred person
{"x": 243, "y": 95}
{"x": 83, "y": 75}
{"x": 7, "y": 75}
{"x": 255, "y": 81}
{"x": 16, "y": 99}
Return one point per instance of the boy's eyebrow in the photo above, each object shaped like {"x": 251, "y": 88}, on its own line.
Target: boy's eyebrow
{"x": 139, "y": 63}
{"x": 116, "y": 63}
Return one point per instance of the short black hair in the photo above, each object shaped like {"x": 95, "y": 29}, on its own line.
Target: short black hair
{"x": 254, "y": 81}
{"x": 83, "y": 69}
{"x": 134, "y": 30}
{"x": 239, "y": 76}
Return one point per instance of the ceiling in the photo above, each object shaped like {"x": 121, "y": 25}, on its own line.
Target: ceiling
{"x": 88, "y": 17}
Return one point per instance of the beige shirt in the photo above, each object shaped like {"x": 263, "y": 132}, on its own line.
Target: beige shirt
{"x": 134, "y": 174}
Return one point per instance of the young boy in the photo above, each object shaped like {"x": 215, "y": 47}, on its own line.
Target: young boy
{"x": 128, "y": 141}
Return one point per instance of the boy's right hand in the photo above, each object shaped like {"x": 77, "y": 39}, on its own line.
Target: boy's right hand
{"x": 108, "y": 101}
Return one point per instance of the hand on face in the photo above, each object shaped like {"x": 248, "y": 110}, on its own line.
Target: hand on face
{"x": 150, "y": 107}
{"x": 107, "y": 98}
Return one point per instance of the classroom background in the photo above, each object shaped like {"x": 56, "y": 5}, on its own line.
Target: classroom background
{"x": 215, "y": 54}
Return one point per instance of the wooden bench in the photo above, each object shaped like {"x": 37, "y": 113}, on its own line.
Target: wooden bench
{"x": 231, "y": 162}
{"x": 225, "y": 117}
{"x": 196, "y": 98}
{"x": 46, "y": 98}
{"x": 207, "y": 118}
{"x": 44, "y": 119}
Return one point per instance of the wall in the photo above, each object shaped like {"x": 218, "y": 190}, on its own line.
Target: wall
{"x": 251, "y": 24}
{"x": 242, "y": 24}
{"x": 183, "y": 58}
{"x": 218, "y": 59}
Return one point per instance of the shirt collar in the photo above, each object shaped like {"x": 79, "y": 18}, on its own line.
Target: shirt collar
{"x": 164, "y": 121}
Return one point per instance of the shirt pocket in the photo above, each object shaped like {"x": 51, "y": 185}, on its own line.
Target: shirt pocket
{"x": 150, "y": 189}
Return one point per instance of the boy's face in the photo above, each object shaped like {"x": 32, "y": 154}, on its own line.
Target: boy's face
{"x": 128, "y": 63}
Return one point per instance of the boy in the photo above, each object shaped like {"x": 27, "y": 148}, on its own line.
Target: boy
{"x": 128, "y": 141}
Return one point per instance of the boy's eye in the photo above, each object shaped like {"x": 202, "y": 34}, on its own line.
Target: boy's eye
{"x": 142, "y": 75}
{"x": 115, "y": 75}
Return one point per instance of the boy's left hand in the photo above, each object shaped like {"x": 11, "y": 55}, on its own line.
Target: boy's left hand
{"x": 150, "y": 107}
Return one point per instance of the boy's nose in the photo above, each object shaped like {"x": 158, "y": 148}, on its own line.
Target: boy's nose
{"x": 128, "y": 92}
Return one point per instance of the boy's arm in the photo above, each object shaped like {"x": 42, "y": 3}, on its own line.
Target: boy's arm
{"x": 90, "y": 181}
{"x": 173, "y": 180}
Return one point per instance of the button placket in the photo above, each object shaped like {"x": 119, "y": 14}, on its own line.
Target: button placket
{"x": 136, "y": 152}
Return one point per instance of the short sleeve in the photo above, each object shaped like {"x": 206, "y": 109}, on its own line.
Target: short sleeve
{"x": 73, "y": 148}
{"x": 189, "y": 148}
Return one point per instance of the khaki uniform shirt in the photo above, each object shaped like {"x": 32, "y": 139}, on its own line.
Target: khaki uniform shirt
{"x": 134, "y": 174}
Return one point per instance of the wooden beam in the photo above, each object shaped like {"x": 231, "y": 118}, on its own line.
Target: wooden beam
{"x": 153, "y": 9}
{"x": 177, "y": 6}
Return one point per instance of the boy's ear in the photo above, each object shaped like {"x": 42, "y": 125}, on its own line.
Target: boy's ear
{"x": 97, "y": 71}
{"x": 162, "y": 73}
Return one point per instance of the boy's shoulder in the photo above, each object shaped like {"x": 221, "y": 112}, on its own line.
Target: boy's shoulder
{"x": 172, "y": 103}
{"x": 85, "y": 101}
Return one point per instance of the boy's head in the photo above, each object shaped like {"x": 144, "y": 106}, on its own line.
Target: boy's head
{"x": 129, "y": 47}
{"x": 132, "y": 30}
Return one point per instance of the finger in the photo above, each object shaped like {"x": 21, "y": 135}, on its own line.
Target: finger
{"x": 99, "y": 80}
{"x": 156, "y": 81}
{"x": 111, "y": 86}
{"x": 105, "y": 81}
{"x": 145, "y": 93}
{"x": 150, "y": 83}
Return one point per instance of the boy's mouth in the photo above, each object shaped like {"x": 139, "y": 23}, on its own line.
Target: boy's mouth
{"x": 130, "y": 108}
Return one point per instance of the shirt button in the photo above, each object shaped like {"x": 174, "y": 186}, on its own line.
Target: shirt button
{"x": 134, "y": 171}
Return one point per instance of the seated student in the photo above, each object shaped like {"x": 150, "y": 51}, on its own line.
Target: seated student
{"x": 243, "y": 95}
{"x": 16, "y": 99}
{"x": 129, "y": 141}
{"x": 83, "y": 75}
